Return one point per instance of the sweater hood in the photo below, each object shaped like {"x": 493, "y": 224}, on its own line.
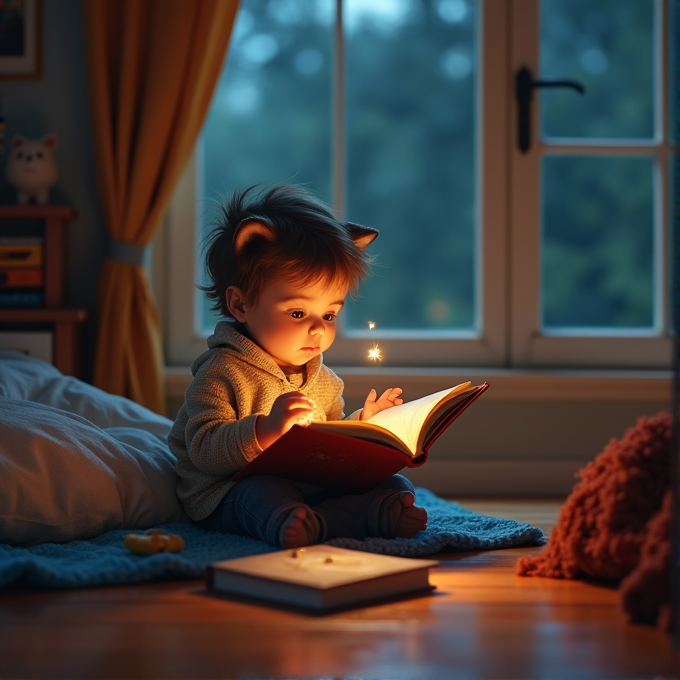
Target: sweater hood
{"x": 227, "y": 336}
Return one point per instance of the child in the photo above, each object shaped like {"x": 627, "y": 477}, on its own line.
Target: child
{"x": 280, "y": 267}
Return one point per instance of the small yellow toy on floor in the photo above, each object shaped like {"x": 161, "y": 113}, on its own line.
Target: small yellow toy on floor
{"x": 153, "y": 541}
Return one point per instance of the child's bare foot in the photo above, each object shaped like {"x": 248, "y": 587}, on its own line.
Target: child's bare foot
{"x": 400, "y": 517}
{"x": 298, "y": 529}
{"x": 412, "y": 518}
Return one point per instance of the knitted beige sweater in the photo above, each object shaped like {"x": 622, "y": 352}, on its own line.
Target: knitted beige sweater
{"x": 234, "y": 381}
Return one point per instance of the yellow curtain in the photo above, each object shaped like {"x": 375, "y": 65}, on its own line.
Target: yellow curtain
{"x": 152, "y": 68}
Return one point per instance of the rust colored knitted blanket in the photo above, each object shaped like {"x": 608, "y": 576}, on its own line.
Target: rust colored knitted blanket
{"x": 645, "y": 592}
{"x": 603, "y": 524}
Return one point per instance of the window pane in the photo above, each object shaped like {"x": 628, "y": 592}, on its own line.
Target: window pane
{"x": 609, "y": 47}
{"x": 598, "y": 242}
{"x": 270, "y": 118}
{"x": 411, "y": 78}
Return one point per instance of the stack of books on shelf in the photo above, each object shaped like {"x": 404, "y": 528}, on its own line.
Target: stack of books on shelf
{"x": 22, "y": 275}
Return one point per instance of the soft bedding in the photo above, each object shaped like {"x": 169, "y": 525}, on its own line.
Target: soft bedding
{"x": 76, "y": 461}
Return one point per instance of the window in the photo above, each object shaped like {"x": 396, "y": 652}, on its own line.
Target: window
{"x": 590, "y": 273}
{"x": 403, "y": 116}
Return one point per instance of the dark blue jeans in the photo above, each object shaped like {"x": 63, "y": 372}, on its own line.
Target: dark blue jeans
{"x": 258, "y": 506}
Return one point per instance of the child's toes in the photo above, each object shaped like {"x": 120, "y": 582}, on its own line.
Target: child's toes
{"x": 400, "y": 517}
{"x": 412, "y": 520}
{"x": 293, "y": 530}
{"x": 300, "y": 528}
{"x": 407, "y": 499}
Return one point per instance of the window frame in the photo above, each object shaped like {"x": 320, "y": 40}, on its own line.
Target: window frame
{"x": 508, "y": 235}
{"x": 529, "y": 346}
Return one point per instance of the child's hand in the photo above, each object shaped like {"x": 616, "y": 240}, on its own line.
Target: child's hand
{"x": 390, "y": 397}
{"x": 292, "y": 408}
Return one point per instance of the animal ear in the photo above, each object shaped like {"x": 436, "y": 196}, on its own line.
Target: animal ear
{"x": 361, "y": 236}
{"x": 250, "y": 230}
{"x": 17, "y": 140}
{"x": 50, "y": 141}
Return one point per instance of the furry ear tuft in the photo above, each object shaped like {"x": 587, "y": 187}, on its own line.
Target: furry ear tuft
{"x": 251, "y": 229}
{"x": 362, "y": 236}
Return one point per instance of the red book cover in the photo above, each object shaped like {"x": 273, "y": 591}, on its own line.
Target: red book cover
{"x": 21, "y": 277}
{"x": 356, "y": 461}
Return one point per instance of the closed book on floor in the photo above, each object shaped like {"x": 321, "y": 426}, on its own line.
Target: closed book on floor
{"x": 320, "y": 577}
{"x": 354, "y": 455}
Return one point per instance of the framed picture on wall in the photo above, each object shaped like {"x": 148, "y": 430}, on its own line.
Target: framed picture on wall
{"x": 20, "y": 38}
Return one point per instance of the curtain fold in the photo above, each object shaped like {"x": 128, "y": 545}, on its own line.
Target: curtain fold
{"x": 152, "y": 69}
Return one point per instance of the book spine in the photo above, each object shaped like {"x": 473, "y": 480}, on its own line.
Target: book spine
{"x": 21, "y": 240}
{"x": 22, "y": 298}
{"x": 21, "y": 278}
{"x": 21, "y": 255}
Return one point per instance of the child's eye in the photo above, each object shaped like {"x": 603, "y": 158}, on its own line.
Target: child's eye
{"x": 329, "y": 317}
{"x": 298, "y": 314}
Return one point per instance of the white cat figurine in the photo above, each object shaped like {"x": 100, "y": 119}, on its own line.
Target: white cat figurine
{"x": 32, "y": 167}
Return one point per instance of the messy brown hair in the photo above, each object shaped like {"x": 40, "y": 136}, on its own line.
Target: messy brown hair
{"x": 309, "y": 244}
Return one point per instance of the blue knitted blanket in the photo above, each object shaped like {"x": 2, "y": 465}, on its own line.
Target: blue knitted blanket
{"x": 105, "y": 561}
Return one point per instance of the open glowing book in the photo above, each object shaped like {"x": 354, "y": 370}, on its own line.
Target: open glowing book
{"x": 354, "y": 455}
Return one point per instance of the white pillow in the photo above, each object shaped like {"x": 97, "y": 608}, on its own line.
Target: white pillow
{"x": 63, "y": 478}
{"x": 75, "y": 461}
{"x": 32, "y": 379}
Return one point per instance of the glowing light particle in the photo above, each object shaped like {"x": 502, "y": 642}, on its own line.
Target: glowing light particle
{"x": 375, "y": 354}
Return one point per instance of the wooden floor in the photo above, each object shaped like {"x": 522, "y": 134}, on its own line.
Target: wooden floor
{"x": 482, "y": 621}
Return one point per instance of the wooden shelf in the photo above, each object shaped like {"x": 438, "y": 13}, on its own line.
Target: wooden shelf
{"x": 66, "y": 323}
{"x": 38, "y": 212}
{"x": 54, "y": 218}
{"x": 42, "y": 315}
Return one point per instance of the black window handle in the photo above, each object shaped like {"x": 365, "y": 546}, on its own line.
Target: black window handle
{"x": 524, "y": 85}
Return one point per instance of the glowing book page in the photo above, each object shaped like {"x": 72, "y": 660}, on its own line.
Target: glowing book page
{"x": 407, "y": 420}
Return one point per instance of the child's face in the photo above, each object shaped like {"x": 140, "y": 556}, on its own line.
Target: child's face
{"x": 294, "y": 322}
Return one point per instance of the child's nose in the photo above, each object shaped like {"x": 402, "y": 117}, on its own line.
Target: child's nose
{"x": 317, "y": 327}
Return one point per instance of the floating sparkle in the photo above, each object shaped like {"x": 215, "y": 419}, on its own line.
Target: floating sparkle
{"x": 375, "y": 354}
{"x": 371, "y": 325}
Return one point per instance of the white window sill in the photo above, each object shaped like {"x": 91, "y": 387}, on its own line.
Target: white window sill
{"x": 505, "y": 384}
{"x": 518, "y": 455}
